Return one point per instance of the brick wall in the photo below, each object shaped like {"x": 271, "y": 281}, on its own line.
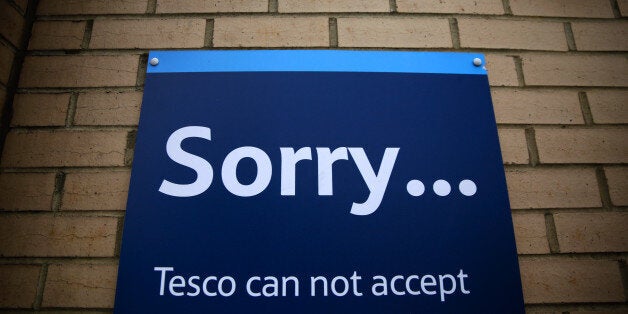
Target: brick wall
{"x": 558, "y": 73}
{"x": 15, "y": 17}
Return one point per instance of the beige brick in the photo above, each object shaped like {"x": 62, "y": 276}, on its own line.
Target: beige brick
{"x": 514, "y": 146}
{"x": 393, "y": 32}
{"x": 541, "y": 310}
{"x": 96, "y": 190}
{"x": 598, "y": 36}
{"x": 108, "y": 108}
{"x": 79, "y": 71}
{"x": 521, "y": 106}
{"x": 553, "y": 188}
{"x": 64, "y": 148}
{"x": 66, "y": 7}
{"x": 501, "y": 70}
{"x": 11, "y": 23}
{"x": 623, "y": 7}
{"x": 592, "y": 232}
{"x": 271, "y": 32}
{"x": 215, "y": 6}
{"x": 148, "y": 33}
{"x": 617, "y": 178}
{"x": 582, "y": 145}
{"x": 48, "y": 235}
{"x": 570, "y": 281}
{"x": 48, "y": 35}
{"x": 575, "y": 70}
{"x": 72, "y": 311}
{"x": 22, "y": 4}
{"x": 451, "y": 6}
{"x": 80, "y": 285}
{"x": 3, "y": 94}
{"x": 530, "y": 233}
{"x": 6, "y": 62}
{"x": 19, "y": 285}
{"x": 40, "y": 109}
{"x": 608, "y": 106}
{"x": 511, "y": 34}
{"x": 301, "y": 6}
{"x": 26, "y": 191}
{"x": 566, "y": 8}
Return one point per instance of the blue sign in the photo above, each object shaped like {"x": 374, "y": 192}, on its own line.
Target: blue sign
{"x": 317, "y": 182}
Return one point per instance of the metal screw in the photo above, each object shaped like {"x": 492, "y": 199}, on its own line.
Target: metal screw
{"x": 155, "y": 61}
{"x": 477, "y": 62}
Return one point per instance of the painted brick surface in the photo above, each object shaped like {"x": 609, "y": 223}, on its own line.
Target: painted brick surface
{"x": 47, "y": 235}
{"x": 514, "y": 146}
{"x": 6, "y": 62}
{"x": 394, "y": 32}
{"x": 304, "y": 6}
{"x": 3, "y": 94}
{"x": 271, "y": 32}
{"x": 566, "y": 280}
{"x": 450, "y": 6}
{"x": 522, "y": 106}
{"x": 511, "y": 34}
{"x": 64, "y": 148}
{"x": 56, "y": 7}
{"x": 80, "y": 285}
{"x": 566, "y": 8}
{"x": 26, "y": 191}
{"x": 617, "y": 178}
{"x": 530, "y": 233}
{"x": 50, "y": 35}
{"x": 592, "y": 232}
{"x": 582, "y": 145}
{"x": 553, "y": 188}
{"x": 501, "y": 70}
{"x": 22, "y": 4}
{"x": 108, "y": 108}
{"x": 204, "y": 6}
{"x": 96, "y": 190}
{"x": 19, "y": 285}
{"x": 623, "y": 7}
{"x": 40, "y": 109}
{"x": 601, "y": 36}
{"x": 11, "y": 23}
{"x": 76, "y": 71}
{"x": 148, "y": 33}
{"x": 609, "y": 106}
{"x": 575, "y": 70}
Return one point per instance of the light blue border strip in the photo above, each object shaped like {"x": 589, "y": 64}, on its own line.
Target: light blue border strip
{"x": 315, "y": 61}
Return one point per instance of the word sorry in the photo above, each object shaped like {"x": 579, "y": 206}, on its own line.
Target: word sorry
{"x": 376, "y": 182}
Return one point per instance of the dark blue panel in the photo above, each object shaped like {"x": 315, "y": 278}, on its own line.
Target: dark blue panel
{"x": 445, "y": 129}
